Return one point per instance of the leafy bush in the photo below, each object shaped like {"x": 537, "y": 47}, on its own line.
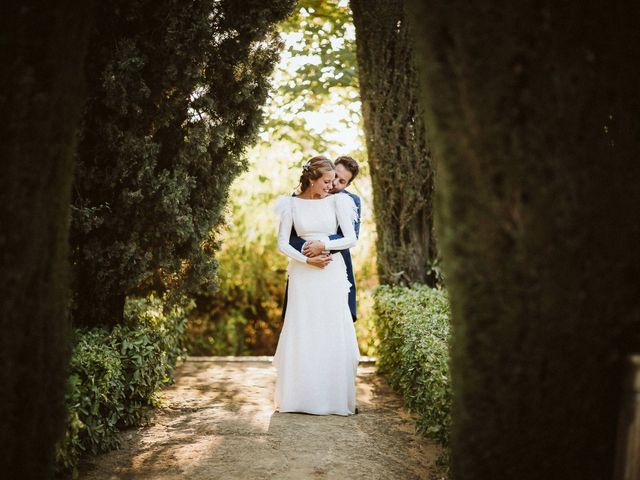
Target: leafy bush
{"x": 413, "y": 327}
{"x": 114, "y": 376}
{"x": 174, "y": 97}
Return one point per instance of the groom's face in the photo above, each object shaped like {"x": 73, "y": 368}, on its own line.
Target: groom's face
{"x": 342, "y": 180}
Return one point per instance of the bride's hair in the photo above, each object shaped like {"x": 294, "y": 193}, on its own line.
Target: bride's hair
{"x": 313, "y": 169}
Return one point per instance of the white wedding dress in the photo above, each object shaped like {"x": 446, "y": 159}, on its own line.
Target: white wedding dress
{"x": 317, "y": 354}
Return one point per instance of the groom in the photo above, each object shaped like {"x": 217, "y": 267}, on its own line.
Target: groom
{"x": 346, "y": 171}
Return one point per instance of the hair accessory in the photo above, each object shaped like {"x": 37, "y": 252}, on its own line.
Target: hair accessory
{"x": 307, "y": 166}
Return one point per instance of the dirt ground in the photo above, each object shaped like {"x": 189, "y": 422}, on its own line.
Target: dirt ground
{"x": 218, "y": 422}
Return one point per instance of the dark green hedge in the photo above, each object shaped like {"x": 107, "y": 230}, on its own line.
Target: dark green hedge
{"x": 413, "y": 327}
{"x": 114, "y": 376}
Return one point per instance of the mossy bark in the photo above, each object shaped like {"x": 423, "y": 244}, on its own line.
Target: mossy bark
{"x": 535, "y": 108}
{"x": 402, "y": 172}
{"x": 42, "y": 54}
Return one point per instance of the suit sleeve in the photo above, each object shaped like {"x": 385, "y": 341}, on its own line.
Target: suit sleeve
{"x": 295, "y": 241}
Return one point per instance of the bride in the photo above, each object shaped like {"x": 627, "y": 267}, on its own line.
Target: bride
{"x": 317, "y": 353}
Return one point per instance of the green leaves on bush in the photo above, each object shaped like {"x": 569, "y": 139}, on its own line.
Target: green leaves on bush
{"x": 174, "y": 97}
{"x": 413, "y": 327}
{"x": 115, "y": 375}
{"x": 94, "y": 399}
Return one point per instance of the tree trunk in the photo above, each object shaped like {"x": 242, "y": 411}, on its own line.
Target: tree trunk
{"x": 42, "y": 54}
{"x": 535, "y": 108}
{"x": 402, "y": 171}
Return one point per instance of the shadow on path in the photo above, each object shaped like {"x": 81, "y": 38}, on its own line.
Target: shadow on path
{"x": 218, "y": 422}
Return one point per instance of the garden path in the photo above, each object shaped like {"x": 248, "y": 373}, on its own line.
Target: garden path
{"x": 217, "y": 422}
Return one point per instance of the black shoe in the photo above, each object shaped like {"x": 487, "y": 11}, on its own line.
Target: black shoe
{"x": 356, "y": 410}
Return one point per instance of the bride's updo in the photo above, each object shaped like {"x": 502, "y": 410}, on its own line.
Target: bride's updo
{"x": 313, "y": 169}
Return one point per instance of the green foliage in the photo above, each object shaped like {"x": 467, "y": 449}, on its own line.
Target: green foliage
{"x": 538, "y": 205}
{"x": 318, "y": 70}
{"x": 400, "y": 157}
{"x": 95, "y": 397}
{"x": 413, "y": 326}
{"x": 175, "y": 96}
{"x": 150, "y": 343}
{"x": 325, "y": 31}
{"x": 243, "y": 315}
{"x": 115, "y": 375}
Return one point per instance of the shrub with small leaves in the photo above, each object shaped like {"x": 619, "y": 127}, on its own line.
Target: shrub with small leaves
{"x": 94, "y": 398}
{"x": 413, "y": 326}
{"x": 174, "y": 98}
{"x": 114, "y": 376}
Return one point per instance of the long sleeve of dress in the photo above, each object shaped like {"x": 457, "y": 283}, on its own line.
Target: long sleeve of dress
{"x": 283, "y": 209}
{"x": 347, "y": 214}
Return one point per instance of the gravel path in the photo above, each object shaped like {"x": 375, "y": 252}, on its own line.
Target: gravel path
{"x": 218, "y": 422}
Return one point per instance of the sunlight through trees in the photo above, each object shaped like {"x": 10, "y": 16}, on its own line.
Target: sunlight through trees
{"x": 309, "y": 112}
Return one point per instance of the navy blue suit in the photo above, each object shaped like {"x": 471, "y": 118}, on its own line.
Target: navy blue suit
{"x": 296, "y": 242}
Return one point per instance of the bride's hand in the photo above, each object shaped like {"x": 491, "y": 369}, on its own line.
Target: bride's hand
{"x": 319, "y": 261}
{"x": 313, "y": 248}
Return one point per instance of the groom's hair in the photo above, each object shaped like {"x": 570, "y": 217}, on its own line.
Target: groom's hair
{"x": 350, "y": 164}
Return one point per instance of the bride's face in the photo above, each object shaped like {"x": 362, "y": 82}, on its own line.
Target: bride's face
{"x": 322, "y": 186}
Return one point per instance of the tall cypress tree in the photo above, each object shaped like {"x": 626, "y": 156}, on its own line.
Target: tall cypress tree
{"x": 402, "y": 168}
{"x": 42, "y": 51}
{"x": 535, "y": 108}
{"x": 175, "y": 96}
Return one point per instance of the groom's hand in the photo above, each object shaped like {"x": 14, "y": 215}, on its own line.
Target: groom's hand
{"x": 313, "y": 248}
{"x": 320, "y": 261}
